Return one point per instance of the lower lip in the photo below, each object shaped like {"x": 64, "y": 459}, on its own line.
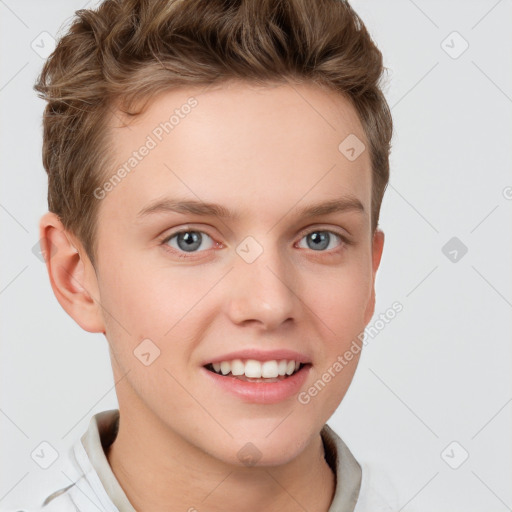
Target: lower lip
{"x": 261, "y": 392}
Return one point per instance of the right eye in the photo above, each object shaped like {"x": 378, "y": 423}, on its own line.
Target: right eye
{"x": 187, "y": 241}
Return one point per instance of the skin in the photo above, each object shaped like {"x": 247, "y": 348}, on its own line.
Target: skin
{"x": 264, "y": 152}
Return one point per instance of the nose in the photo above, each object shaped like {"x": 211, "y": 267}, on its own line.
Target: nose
{"x": 262, "y": 291}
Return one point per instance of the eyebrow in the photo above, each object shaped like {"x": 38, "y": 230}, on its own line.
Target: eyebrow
{"x": 176, "y": 205}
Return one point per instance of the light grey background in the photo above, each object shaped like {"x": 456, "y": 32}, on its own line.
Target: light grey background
{"x": 439, "y": 372}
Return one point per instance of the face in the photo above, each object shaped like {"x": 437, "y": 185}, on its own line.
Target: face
{"x": 183, "y": 286}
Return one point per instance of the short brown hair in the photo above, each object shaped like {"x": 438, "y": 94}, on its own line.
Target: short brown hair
{"x": 126, "y": 51}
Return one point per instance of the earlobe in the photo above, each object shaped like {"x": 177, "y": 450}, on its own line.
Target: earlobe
{"x": 72, "y": 277}
{"x": 377, "y": 248}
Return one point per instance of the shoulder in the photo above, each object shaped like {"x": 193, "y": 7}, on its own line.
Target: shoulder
{"x": 57, "y": 501}
{"x": 73, "y": 484}
{"x": 377, "y": 493}
{"x": 70, "y": 488}
{"x": 365, "y": 486}
{"x": 79, "y": 496}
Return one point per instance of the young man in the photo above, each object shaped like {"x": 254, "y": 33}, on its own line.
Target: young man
{"x": 216, "y": 171}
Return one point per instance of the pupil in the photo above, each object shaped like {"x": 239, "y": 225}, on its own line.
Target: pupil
{"x": 320, "y": 238}
{"x": 191, "y": 239}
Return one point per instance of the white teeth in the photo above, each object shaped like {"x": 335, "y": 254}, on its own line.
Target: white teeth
{"x": 225, "y": 367}
{"x": 237, "y": 367}
{"x": 256, "y": 369}
{"x": 253, "y": 369}
{"x": 269, "y": 370}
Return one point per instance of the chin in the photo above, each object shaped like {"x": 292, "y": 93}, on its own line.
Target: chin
{"x": 262, "y": 450}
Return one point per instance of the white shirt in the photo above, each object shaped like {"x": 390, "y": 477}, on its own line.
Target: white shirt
{"x": 91, "y": 486}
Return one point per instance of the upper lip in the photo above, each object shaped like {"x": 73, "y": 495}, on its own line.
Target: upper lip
{"x": 261, "y": 355}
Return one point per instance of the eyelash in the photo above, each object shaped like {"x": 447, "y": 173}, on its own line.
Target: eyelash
{"x": 344, "y": 241}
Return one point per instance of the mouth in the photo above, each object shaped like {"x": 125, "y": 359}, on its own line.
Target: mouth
{"x": 259, "y": 382}
{"x": 252, "y": 370}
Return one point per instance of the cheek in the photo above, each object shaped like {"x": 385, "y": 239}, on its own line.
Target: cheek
{"x": 155, "y": 302}
{"x": 341, "y": 309}
{"x": 341, "y": 298}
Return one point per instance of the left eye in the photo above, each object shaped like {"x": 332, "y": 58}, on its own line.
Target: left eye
{"x": 188, "y": 241}
{"x": 319, "y": 240}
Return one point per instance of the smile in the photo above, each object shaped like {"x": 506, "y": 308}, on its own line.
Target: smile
{"x": 252, "y": 370}
{"x": 253, "y": 381}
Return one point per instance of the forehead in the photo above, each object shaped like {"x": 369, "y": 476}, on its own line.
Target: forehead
{"x": 243, "y": 145}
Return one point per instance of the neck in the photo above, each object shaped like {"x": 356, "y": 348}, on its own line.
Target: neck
{"x": 160, "y": 471}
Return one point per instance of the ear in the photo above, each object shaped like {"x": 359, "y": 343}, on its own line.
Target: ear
{"x": 377, "y": 248}
{"x": 71, "y": 273}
